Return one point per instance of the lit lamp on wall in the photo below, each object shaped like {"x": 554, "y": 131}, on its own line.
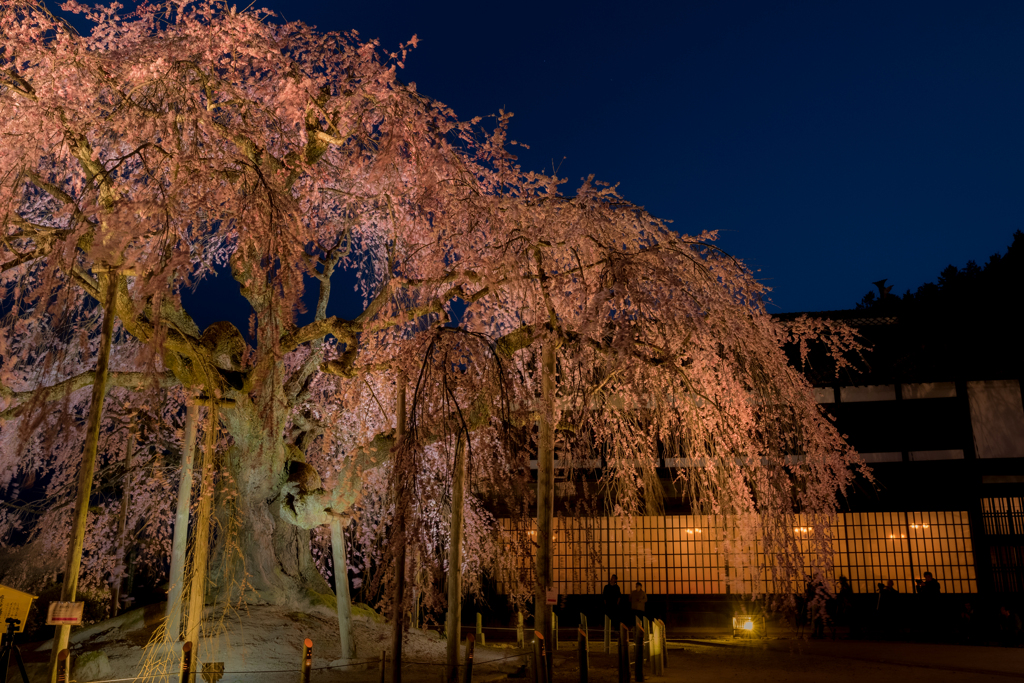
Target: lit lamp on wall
{"x": 748, "y": 626}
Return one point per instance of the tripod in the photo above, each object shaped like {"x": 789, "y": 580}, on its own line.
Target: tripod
{"x": 7, "y": 646}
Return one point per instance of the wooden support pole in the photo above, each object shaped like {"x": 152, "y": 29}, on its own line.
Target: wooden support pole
{"x": 179, "y": 544}
{"x": 383, "y": 665}
{"x": 480, "y": 629}
{"x": 341, "y": 588}
{"x": 122, "y": 522}
{"x": 607, "y": 634}
{"x": 397, "y": 611}
{"x": 201, "y": 547}
{"x": 69, "y": 591}
{"x": 520, "y": 631}
{"x": 307, "y": 660}
{"x": 470, "y": 643}
{"x": 545, "y": 497}
{"x": 453, "y": 626}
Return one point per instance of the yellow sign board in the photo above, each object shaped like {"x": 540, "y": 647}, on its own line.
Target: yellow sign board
{"x": 14, "y": 604}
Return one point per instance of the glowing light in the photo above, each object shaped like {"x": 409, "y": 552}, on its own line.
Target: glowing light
{"x": 748, "y": 625}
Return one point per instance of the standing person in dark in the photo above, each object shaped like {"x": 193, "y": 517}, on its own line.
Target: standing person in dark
{"x": 611, "y": 596}
{"x": 638, "y": 601}
{"x": 928, "y": 591}
{"x": 888, "y": 596}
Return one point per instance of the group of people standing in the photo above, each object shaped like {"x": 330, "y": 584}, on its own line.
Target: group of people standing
{"x": 618, "y": 607}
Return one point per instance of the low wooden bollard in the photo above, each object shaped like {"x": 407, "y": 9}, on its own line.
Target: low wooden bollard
{"x": 383, "y": 665}
{"x": 623, "y": 654}
{"x": 186, "y": 662}
{"x": 307, "y": 660}
{"x": 639, "y": 651}
{"x": 520, "y": 631}
{"x": 582, "y": 651}
{"x": 607, "y": 634}
{"x": 480, "y": 629}
{"x": 655, "y": 648}
{"x": 470, "y": 642}
{"x": 540, "y": 660}
{"x": 63, "y": 664}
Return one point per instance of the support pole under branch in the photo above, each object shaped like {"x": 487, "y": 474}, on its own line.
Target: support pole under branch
{"x": 69, "y": 590}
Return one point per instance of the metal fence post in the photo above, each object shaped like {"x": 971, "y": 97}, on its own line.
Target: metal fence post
{"x": 307, "y": 660}
{"x": 639, "y": 650}
{"x": 554, "y": 634}
{"x": 470, "y": 642}
{"x": 623, "y": 654}
{"x": 540, "y": 660}
{"x": 582, "y": 651}
{"x": 63, "y": 665}
{"x": 186, "y": 662}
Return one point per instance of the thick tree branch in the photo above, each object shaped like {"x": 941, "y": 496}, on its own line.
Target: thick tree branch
{"x": 129, "y": 380}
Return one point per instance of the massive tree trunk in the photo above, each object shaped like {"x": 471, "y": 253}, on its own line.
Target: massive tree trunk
{"x": 254, "y": 542}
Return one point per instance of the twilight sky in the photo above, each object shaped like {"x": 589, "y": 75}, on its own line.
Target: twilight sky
{"x": 831, "y": 143}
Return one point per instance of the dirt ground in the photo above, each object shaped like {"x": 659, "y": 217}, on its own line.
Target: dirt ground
{"x": 263, "y": 646}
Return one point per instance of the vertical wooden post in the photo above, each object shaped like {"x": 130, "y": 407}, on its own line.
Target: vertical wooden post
{"x": 397, "y": 612}
{"x": 383, "y": 665}
{"x": 122, "y": 521}
{"x": 607, "y": 634}
{"x": 201, "y": 547}
{"x": 179, "y": 544}
{"x": 638, "y": 650}
{"x": 453, "y": 626}
{"x": 480, "y": 629}
{"x": 545, "y": 496}
{"x": 520, "y": 631}
{"x": 69, "y": 591}
{"x": 341, "y": 588}
{"x": 186, "y": 663}
{"x": 307, "y": 660}
{"x": 470, "y": 642}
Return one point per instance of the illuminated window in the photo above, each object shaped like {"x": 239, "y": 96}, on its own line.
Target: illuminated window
{"x": 680, "y": 554}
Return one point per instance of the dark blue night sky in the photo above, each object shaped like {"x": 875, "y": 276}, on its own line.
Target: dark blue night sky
{"x": 831, "y": 143}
